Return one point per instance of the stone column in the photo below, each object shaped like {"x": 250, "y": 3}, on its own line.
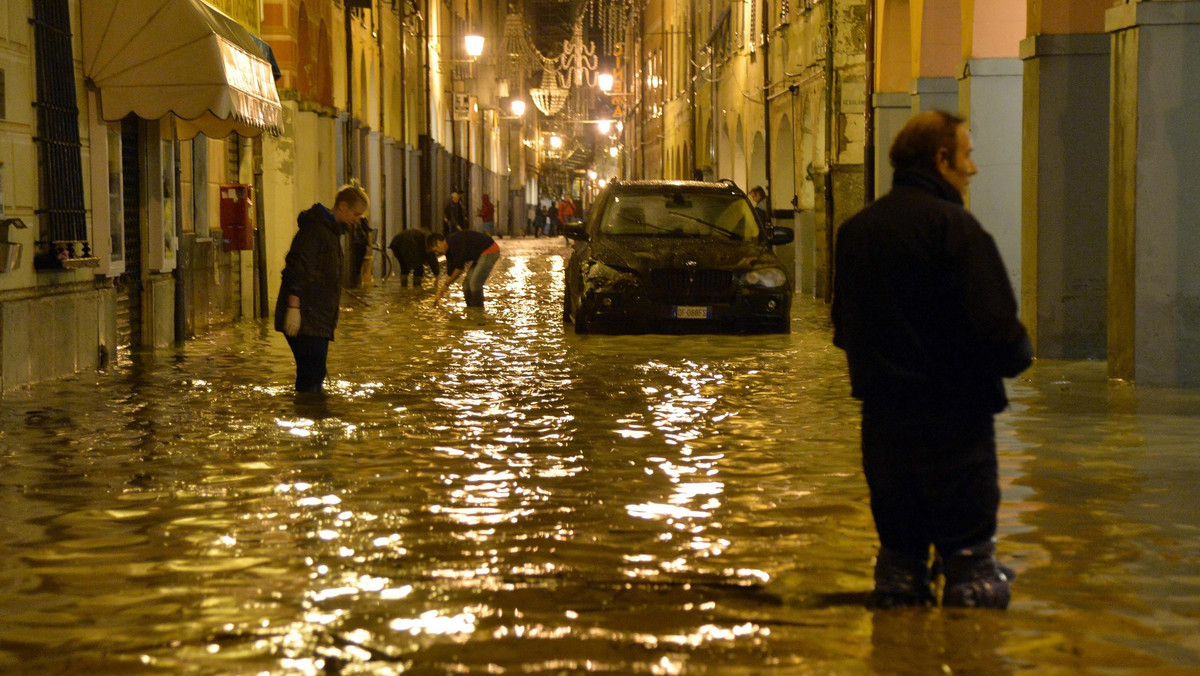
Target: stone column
{"x": 929, "y": 93}
{"x": 892, "y": 110}
{"x": 1064, "y": 199}
{"x": 1154, "y": 194}
{"x": 990, "y": 97}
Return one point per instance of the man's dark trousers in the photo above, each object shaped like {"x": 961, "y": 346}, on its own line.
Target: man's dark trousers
{"x": 311, "y": 353}
{"x": 932, "y": 476}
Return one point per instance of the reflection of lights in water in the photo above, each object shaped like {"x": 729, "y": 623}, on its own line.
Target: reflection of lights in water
{"x": 299, "y": 428}
{"x": 318, "y": 501}
{"x": 653, "y": 510}
{"x": 430, "y": 622}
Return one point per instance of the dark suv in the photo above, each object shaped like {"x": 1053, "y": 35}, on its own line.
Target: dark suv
{"x": 676, "y": 256}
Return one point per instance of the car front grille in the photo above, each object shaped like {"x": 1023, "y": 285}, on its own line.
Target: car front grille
{"x": 691, "y": 286}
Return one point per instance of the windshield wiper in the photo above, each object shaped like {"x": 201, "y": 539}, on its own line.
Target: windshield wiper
{"x": 731, "y": 234}
{"x": 642, "y": 223}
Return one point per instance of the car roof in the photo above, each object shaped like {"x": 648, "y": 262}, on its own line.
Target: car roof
{"x": 723, "y": 186}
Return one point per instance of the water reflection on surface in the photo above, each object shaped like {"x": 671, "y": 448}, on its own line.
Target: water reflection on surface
{"x": 484, "y": 492}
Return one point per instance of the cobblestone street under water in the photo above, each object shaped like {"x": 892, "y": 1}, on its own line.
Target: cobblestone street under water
{"x": 486, "y": 492}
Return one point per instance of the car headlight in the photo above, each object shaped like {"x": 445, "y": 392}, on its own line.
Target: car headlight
{"x": 767, "y": 278}
{"x": 599, "y": 275}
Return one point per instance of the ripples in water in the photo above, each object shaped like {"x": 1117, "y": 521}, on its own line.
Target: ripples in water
{"x": 485, "y": 492}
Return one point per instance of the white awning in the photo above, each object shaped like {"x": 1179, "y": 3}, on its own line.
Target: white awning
{"x": 156, "y": 57}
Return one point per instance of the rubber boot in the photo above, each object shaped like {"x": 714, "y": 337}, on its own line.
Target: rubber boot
{"x": 900, "y": 581}
{"x": 974, "y": 579}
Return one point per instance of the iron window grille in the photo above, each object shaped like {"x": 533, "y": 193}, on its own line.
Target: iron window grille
{"x": 64, "y": 230}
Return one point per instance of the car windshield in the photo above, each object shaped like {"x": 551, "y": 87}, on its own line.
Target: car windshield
{"x": 679, "y": 214}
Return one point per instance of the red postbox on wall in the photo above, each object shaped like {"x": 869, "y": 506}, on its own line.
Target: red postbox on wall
{"x": 237, "y": 217}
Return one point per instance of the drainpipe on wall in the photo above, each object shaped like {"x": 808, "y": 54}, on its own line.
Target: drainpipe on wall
{"x": 177, "y": 273}
{"x": 402, "y": 170}
{"x": 766, "y": 75}
{"x": 829, "y": 154}
{"x": 348, "y": 132}
{"x": 869, "y": 109}
{"x": 427, "y": 216}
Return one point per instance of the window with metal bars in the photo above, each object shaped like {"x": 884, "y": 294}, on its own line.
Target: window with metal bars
{"x": 64, "y": 223}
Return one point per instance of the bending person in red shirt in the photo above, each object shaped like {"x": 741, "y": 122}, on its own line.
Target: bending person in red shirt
{"x": 470, "y": 252}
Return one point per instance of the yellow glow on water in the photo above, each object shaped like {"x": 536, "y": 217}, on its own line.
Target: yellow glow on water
{"x": 433, "y": 623}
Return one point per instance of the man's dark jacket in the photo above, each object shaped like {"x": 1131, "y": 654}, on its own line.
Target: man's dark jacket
{"x": 312, "y": 272}
{"x": 412, "y": 250}
{"x": 465, "y": 246}
{"x": 454, "y": 216}
{"x": 922, "y": 303}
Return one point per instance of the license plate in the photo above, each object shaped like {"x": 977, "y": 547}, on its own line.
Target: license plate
{"x": 692, "y": 312}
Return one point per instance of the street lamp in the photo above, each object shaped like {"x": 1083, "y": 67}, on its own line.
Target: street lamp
{"x": 605, "y": 126}
{"x": 605, "y": 82}
{"x": 518, "y": 107}
{"x": 474, "y": 45}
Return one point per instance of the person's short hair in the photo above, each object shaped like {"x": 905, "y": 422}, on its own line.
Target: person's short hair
{"x": 432, "y": 239}
{"x": 352, "y": 195}
{"x": 922, "y": 137}
{"x": 758, "y": 190}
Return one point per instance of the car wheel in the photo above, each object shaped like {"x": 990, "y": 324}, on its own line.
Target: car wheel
{"x": 566, "y": 307}
{"x": 581, "y": 322}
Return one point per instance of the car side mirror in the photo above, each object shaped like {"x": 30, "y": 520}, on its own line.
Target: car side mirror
{"x": 576, "y": 231}
{"x": 782, "y": 235}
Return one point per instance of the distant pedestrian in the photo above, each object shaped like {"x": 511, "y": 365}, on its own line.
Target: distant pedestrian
{"x": 487, "y": 214}
{"x": 360, "y": 255}
{"x": 309, "y": 294}
{"x": 454, "y": 216}
{"x": 758, "y": 195}
{"x": 411, "y": 249}
{"x": 566, "y": 210}
{"x": 925, "y": 312}
{"x": 545, "y": 224}
{"x": 471, "y": 252}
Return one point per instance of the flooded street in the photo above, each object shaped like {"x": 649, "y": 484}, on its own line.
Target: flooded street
{"x": 486, "y": 492}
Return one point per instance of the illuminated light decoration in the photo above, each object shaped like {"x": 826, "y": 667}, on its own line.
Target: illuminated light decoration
{"x": 605, "y": 126}
{"x": 613, "y": 151}
{"x": 577, "y": 61}
{"x": 556, "y": 141}
{"x": 518, "y": 107}
{"x": 605, "y": 82}
{"x": 602, "y": 182}
{"x": 551, "y": 96}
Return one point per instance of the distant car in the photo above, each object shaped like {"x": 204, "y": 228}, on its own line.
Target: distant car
{"x": 674, "y": 257}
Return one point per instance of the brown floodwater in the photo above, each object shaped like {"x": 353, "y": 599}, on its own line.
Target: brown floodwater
{"x": 484, "y": 492}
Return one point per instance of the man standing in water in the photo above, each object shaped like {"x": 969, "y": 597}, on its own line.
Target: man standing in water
{"x": 468, "y": 251}
{"x": 307, "y": 308}
{"x": 927, "y": 317}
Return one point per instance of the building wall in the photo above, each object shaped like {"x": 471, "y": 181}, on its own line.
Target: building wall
{"x": 52, "y": 323}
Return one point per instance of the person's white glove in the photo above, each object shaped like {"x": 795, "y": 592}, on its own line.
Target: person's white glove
{"x": 291, "y": 322}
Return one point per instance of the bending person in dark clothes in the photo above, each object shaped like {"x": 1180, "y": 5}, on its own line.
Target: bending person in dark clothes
{"x": 411, "y": 248}
{"x": 466, "y": 249}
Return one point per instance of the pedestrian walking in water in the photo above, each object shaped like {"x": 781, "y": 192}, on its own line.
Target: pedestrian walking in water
{"x": 411, "y": 248}
{"x": 487, "y": 214}
{"x": 307, "y": 308}
{"x": 566, "y": 210}
{"x": 470, "y": 252}
{"x": 454, "y": 216}
{"x": 925, "y": 312}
